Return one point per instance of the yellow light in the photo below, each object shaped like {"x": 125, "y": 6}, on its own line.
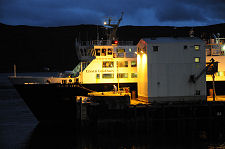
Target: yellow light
{"x": 105, "y": 23}
{"x": 141, "y": 51}
{"x": 135, "y": 52}
{"x": 223, "y": 47}
{"x": 138, "y": 59}
{"x": 144, "y": 59}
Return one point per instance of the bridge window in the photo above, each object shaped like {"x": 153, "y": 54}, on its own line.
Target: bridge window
{"x": 108, "y": 75}
{"x": 103, "y": 52}
{"x": 122, "y": 75}
{"x": 107, "y": 64}
{"x": 97, "y": 52}
{"x": 109, "y": 51}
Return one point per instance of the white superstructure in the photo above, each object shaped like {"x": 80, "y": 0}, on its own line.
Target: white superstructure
{"x": 113, "y": 63}
{"x": 164, "y": 68}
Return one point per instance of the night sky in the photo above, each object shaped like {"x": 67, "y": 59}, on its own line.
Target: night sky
{"x": 136, "y": 12}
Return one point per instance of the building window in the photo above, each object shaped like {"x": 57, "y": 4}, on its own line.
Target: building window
{"x": 122, "y": 63}
{"x": 197, "y": 59}
{"x": 197, "y": 47}
{"x": 122, "y": 75}
{"x": 109, "y": 51}
{"x": 103, "y": 52}
{"x": 197, "y": 92}
{"x": 97, "y": 76}
{"x": 133, "y": 63}
{"x": 97, "y": 51}
{"x": 107, "y": 64}
{"x": 155, "y": 48}
{"x": 133, "y": 75}
{"x": 185, "y": 47}
{"x": 108, "y": 76}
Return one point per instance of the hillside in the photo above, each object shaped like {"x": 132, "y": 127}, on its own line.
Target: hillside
{"x": 33, "y": 48}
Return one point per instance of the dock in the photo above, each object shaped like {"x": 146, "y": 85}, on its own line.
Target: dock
{"x": 139, "y": 117}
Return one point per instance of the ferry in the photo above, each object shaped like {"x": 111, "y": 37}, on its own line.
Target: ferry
{"x": 103, "y": 65}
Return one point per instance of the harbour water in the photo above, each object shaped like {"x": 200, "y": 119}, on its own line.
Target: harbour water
{"x": 20, "y": 130}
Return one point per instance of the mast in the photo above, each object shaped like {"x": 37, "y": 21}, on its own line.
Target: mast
{"x": 113, "y": 26}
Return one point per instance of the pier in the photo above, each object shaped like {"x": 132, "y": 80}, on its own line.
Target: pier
{"x": 179, "y": 118}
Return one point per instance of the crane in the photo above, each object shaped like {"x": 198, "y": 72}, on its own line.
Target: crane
{"x": 212, "y": 67}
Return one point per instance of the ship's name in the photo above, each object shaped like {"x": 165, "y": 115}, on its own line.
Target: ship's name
{"x": 95, "y": 71}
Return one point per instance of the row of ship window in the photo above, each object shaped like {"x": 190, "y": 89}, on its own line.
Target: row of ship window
{"x": 110, "y": 64}
{"x": 109, "y": 51}
{"x": 119, "y": 75}
{"x": 121, "y": 53}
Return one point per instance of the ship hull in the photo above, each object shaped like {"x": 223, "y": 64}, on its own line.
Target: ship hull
{"x": 51, "y": 102}
{"x": 56, "y": 103}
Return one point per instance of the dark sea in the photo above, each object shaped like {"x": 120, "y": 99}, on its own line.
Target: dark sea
{"x": 20, "y": 130}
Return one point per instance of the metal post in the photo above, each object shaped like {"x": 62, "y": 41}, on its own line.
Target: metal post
{"x": 213, "y": 87}
{"x": 14, "y": 70}
{"x": 118, "y": 77}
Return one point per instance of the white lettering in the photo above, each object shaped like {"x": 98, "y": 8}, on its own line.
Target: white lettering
{"x": 96, "y": 71}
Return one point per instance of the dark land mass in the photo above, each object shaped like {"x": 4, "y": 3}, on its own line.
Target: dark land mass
{"x": 35, "y": 48}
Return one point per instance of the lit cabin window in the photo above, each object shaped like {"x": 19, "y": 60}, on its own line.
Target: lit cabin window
{"x": 109, "y": 51}
{"x": 133, "y": 75}
{"x": 107, "y": 64}
{"x": 185, "y": 47}
{"x": 103, "y": 52}
{"x": 122, "y": 63}
{"x": 108, "y": 76}
{"x": 155, "y": 48}
{"x": 122, "y": 75}
{"x": 197, "y": 47}
{"x": 120, "y": 50}
{"x": 97, "y": 76}
{"x": 130, "y": 50}
{"x": 197, "y": 59}
{"x": 97, "y": 52}
{"x": 133, "y": 63}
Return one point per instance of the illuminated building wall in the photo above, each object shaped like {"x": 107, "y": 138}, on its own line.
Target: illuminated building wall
{"x": 220, "y": 75}
{"x": 170, "y": 63}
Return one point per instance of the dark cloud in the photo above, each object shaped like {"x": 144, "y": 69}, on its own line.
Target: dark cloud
{"x": 137, "y": 12}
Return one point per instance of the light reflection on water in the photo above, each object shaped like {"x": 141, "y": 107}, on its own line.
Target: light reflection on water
{"x": 19, "y": 129}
